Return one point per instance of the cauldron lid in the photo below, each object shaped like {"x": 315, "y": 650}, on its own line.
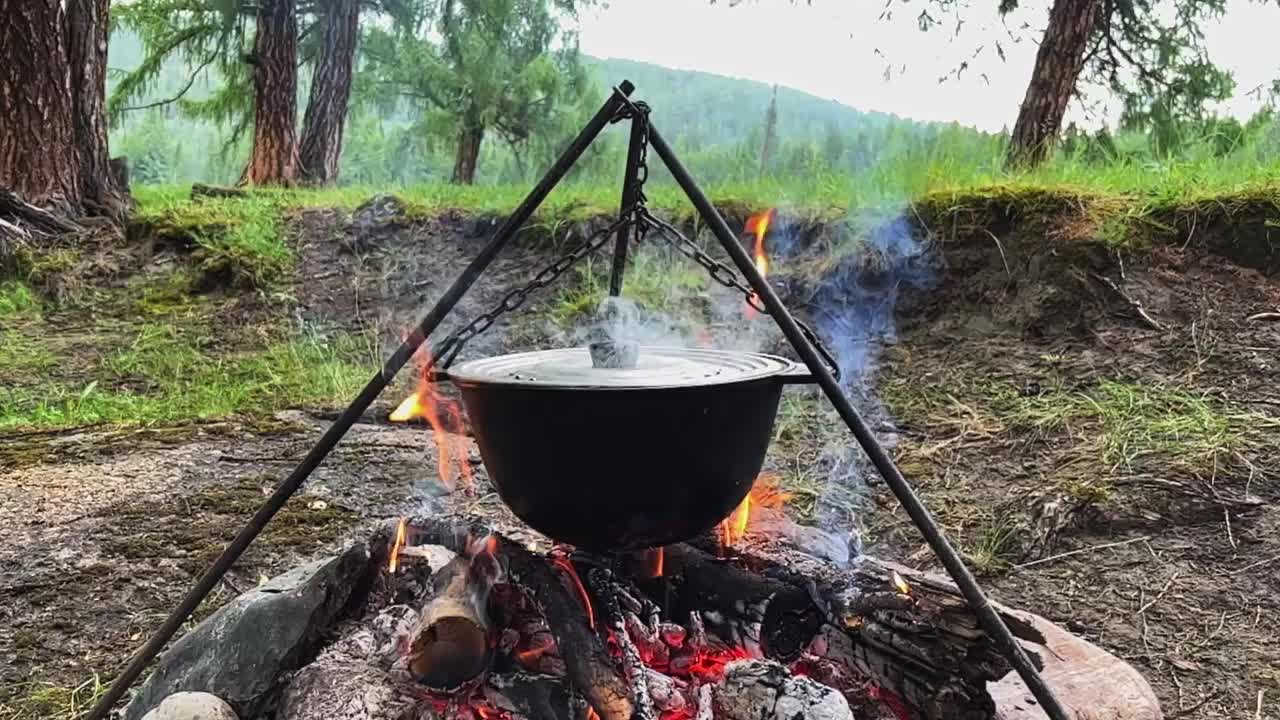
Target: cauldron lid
{"x": 657, "y": 367}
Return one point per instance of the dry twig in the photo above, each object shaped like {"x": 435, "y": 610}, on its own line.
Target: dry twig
{"x": 1080, "y": 551}
{"x": 1136, "y": 305}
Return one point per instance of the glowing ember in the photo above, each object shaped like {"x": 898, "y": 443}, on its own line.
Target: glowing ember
{"x": 562, "y": 563}
{"x": 654, "y": 558}
{"x": 402, "y": 531}
{"x": 440, "y": 413}
{"x": 764, "y": 494}
{"x": 900, "y": 585}
{"x": 759, "y": 225}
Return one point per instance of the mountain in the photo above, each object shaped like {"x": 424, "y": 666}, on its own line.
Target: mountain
{"x": 706, "y": 109}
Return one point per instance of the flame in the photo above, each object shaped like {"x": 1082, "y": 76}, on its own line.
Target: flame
{"x": 562, "y": 563}
{"x": 402, "y": 530}
{"x": 653, "y": 561}
{"x": 758, "y": 225}
{"x": 900, "y": 585}
{"x": 451, "y": 450}
{"x": 764, "y": 494}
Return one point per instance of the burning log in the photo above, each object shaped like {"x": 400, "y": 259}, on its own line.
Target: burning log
{"x": 450, "y": 644}
{"x": 923, "y": 646}
{"x": 590, "y": 668}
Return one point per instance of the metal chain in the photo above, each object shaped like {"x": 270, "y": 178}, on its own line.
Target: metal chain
{"x": 642, "y": 220}
{"x": 447, "y": 351}
{"x": 726, "y": 276}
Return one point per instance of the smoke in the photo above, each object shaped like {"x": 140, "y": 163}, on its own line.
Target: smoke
{"x": 854, "y": 311}
{"x": 855, "y": 303}
{"x": 711, "y": 317}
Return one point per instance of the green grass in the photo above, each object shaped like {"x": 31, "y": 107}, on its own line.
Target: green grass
{"x": 240, "y": 239}
{"x": 164, "y": 376}
{"x": 1132, "y": 421}
{"x": 45, "y": 701}
{"x": 657, "y": 281}
{"x": 17, "y": 300}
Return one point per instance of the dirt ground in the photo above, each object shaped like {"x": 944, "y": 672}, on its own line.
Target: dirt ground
{"x": 1116, "y": 478}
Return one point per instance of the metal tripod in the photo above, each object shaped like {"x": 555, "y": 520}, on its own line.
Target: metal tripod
{"x": 635, "y": 219}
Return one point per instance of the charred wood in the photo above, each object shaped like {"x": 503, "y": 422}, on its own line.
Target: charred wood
{"x": 920, "y": 646}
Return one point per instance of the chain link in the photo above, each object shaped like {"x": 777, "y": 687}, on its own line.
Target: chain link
{"x": 638, "y": 216}
{"x": 726, "y": 276}
{"x": 449, "y": 348}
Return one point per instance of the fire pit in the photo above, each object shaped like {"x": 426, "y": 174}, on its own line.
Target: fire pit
{"x": 450, "y": 621}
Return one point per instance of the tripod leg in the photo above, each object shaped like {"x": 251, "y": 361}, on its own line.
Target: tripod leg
{"x": 630, "y": 188}
{"x": 920, "y": 515}
{"x": 340, "y": 426}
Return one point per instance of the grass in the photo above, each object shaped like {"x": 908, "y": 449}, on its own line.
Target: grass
{"x": 240, "y": 240}
{"x": 164, "y": 376}
{"x": 1131, "y": 421}
{"x": 996, "y": 546}
{"x": 45, "y": 701}
{"x": 17, "y": 300}
{"x": 657, "y": 281}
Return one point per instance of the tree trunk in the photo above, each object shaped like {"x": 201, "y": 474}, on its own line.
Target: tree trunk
{"x": 770, "y": 133}
{"x": 87, "y": 22}
{"x": 37, "y": 138}
{"x": 464, "y": 165}
{"x": 1053, "y": 81}
{"x": 330, "y": 92}
{"x": 274, "y": 157}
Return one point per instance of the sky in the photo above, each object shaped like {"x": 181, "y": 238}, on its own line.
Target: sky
{"x": 841, "y": 49}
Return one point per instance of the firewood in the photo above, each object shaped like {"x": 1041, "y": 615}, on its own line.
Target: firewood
{"x": 921, "y": 646}
{"x": 450, "y": 643}
{"x": 591, "y": 671}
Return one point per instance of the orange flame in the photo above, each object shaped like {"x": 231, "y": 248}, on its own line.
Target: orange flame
{"x": 563, "y": 564}
{"x": 402, "y": 530}
{"x": 654, "y": 558}
{"x": 451, "y": 449}
{"x": 758, "y": 224}
{"x": 900, "y": 585}
{"x": 764, "y": 494}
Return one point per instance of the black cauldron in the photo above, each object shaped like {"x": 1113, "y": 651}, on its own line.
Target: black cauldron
{"x": 608, "y": 454}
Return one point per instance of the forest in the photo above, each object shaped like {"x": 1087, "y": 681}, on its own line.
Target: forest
{"x": 243, "y": 244}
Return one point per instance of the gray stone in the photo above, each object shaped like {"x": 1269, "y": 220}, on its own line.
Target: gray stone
{"x": 242, "y": 651}
{"x": 192, "y": 706}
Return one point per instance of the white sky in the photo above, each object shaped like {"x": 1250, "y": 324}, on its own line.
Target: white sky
{"x": 829, "y": 49}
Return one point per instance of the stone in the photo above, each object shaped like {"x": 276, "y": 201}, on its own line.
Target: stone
{"x": 1090, "y": 682}
{"x": 243, "y": 651}
{"x": 192, "y": 706}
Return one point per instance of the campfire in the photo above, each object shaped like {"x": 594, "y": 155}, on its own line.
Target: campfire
{"x": 737, "y": 624}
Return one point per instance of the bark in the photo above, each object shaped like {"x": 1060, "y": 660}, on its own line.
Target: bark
{"x": 1053, "y": 81}
{"x": 37, "y": 138}
{"x": 770, "y": 133}
{"x": 326, "y": 115}
{"x": 464, "y": 165}
{"x": 87, "y": 25}
{"x": 450, "y": 644}
{"x": 274, "y": 157}
{"x": 590, "y": 668}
